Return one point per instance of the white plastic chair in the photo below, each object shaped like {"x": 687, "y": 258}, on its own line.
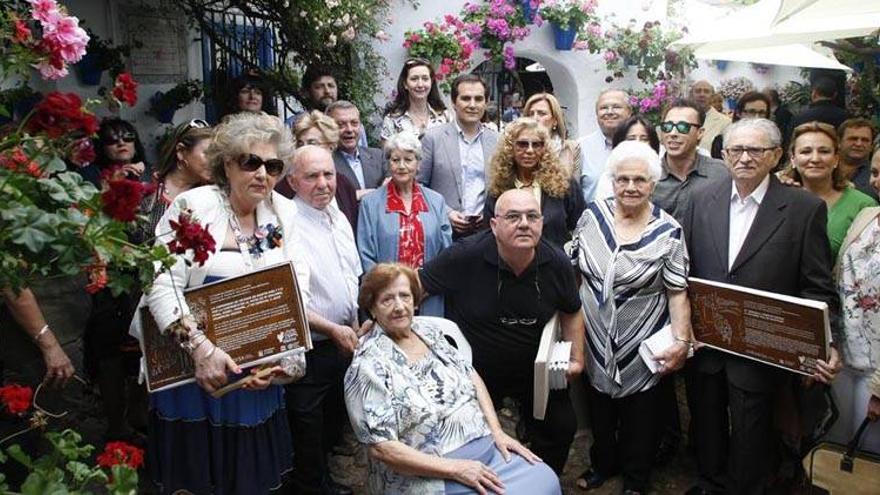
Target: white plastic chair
{"x": 451, "y": 332}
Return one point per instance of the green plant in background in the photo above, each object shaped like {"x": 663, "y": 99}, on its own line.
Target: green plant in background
{"x": 175, "y": 98}
{"x": 445, "y": 45}
{"x": 647, "y": 48}
{"x": 795, "y": 95}
{"x": 863, "y": 55}
{"x": 108, "y": 56}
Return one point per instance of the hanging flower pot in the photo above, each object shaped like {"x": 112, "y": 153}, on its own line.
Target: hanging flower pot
{"x": 528, "y": 11}
{"x": 88, "y": 71}
{"x": 563, "y": 36}
{"x": 166, "y": 116}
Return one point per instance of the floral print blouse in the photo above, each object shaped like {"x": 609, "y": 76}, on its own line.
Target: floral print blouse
{"x": 430, "y": 405}
{"x": 393, "y": 124}
{"x": 859, "y": 289}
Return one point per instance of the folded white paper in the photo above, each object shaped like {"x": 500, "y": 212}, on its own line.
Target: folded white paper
{"x": 655, "y": 344}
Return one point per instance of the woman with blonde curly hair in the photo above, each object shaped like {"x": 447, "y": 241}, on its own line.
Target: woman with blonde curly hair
{"x": 525, "y": 160}
{"x": 545, "y": 108}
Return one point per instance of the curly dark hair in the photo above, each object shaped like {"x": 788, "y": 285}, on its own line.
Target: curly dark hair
{"x": 550, "y": 173}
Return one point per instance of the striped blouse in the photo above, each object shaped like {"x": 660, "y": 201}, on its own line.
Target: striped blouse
{"x": 623, "y": 290}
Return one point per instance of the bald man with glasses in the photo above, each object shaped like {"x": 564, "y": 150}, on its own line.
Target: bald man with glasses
{"x": 502, "y": 287}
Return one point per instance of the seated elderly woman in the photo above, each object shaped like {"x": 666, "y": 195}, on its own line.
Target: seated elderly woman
{"x": 424, "y": 412}
{"x": 239, "y": 443}
{"x": 403, "y": 221}
{"x": 633, "y": 266}
{"x": 525, "y": 159}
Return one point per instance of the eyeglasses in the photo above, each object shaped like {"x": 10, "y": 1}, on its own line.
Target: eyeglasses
{"x": 514, "y": 217}
{"x": 754, "y": 152}
{"x": 252, "y": 163}
{"x": 525, "y": 144}
{"x": 125, "y": 137}
{"x": 623, "y": 181}
{"x": 681, "y": 126}
{"x": 610, "y": 108}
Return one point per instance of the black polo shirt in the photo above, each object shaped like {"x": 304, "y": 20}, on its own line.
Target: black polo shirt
{"x": 501, "y": 315}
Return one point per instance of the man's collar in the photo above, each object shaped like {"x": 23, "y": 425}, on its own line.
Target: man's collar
{"x": 328, "y": 212}
{"x": 698, "y": 167}
{"x": 460, "y": 132}
{"x": 351, "y": 156}
{"x": 758, "y": 194}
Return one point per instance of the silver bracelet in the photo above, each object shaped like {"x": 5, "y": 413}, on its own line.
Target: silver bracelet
{"x": 42, "y": 331}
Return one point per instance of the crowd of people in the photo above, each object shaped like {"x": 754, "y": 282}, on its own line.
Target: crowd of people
{"x": 455, "y": 228}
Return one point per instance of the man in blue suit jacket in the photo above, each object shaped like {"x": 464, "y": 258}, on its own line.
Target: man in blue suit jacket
{"x": 456, "y": 156}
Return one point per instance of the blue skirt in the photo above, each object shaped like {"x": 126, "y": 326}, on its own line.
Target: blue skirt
{"x": 237, "y": 444}
{"x": 518, "y": 476}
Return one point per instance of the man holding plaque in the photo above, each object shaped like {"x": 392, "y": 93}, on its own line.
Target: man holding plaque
{"x": 315, "y": 403}
{"x": 754, "y": 232}
{"x": 501, "y": 287}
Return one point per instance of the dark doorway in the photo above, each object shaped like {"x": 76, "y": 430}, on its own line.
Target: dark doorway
{"x": 510, "y": 88}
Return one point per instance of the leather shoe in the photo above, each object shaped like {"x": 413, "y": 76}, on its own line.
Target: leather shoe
{"x": 591, "y": 479}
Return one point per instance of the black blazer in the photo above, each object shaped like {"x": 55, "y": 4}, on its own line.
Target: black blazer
{"x": 372, "y": 163}
{"x": 786, "y": 251}
{"x": 561, "y": 215}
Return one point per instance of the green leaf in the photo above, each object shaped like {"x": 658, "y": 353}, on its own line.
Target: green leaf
{"x": 79, "y": 470}
{"x": 56, "y": 164}
{"x": 31, "y": 237}
{"x": 55, "y": 190}
{"x": 19, "y": 455}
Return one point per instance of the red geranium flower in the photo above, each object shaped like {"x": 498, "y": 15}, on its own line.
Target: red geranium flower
{"x": 60, "y": 114}
{"x": 22, "y": 33}
{"x": 116, "y": 453}
{"x": 122, "y": 197}
{"x": 189, "y": 234}
{"x": 125, "y": 89}
{"x": 17, "y": 161}
{"x": 16, "y": 399}
{"x": 97, "y": 277}
{"x": 82, "y": 152}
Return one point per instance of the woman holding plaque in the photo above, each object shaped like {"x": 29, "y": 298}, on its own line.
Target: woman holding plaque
{"x": 404, "y": 221}
{"x": 633, "y": 266}
{"x": 423, "y": 412}
{"x": 239, "y": 443}
{"x": 857, "y": 388}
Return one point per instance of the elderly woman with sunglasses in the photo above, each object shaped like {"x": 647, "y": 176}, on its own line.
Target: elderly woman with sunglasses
{"x": 239, "y": 443}
{"x": 633, "y": 265}
{"x": 422, "y": 410}
{"x": 404, "y": 221}
{"x": 525, "y": 160}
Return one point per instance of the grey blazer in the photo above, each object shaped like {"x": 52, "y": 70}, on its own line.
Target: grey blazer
{"x": 372, "y": 162}
{"x": 441, "y": 161}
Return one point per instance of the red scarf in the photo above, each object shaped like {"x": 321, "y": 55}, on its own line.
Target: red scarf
{"x": 411, "y": 241}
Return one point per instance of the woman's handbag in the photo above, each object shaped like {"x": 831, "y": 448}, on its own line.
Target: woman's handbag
{"x": 837, "y": 469}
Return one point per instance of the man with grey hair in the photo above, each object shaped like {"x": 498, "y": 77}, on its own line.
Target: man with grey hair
{"x": 612, "y": 108}
{"x": 362, "y": 165}
{"x": 752, "y": 231}
{"x": 315, "y": 403}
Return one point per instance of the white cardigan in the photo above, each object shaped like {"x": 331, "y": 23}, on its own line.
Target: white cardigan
{"x": 208, "y": 205}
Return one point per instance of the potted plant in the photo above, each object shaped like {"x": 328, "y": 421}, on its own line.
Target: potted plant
{"x": 568, "y": 17}
{"x": 495, "y": 25}
{"x": 164, "y": 105}
{"x": 650, "y": 102}
{"x": 530, "y": 10}
{"x": 102, "y": 55}
{"x": 647, "y": 49}
{"x": 444, "y": 44}
{"x": 731, "y": 89}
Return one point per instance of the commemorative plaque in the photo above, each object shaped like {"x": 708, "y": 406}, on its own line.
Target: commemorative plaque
{"x": 256, "y": 318}
{"x": 784, "y": 331}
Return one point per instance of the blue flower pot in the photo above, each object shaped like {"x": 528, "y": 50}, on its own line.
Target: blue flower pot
{"x": 528, "y": 11}
{"x": 731, "y": 103}
{"x": 88, "y": 71}
{"x": 721, "y": 64}
{"x": 564, "y": 37}
{"x": 166, "y": 117}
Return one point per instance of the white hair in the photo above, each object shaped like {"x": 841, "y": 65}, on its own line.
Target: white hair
{"x": 763, "y": 125}
{"x": 634, "y": 151}
{"x": 403, "y": 141}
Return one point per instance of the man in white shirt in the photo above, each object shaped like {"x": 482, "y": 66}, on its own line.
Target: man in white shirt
{"x": 612, "y": 109}
{"x": 315, "y": 403}
{"x": 701, "y": 93}
{"x": 754, "y": 232}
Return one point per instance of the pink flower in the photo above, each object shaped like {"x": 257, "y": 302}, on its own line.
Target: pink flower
{"x": 580, "y": 45}
{"x": 49, "y": 72}
{"x": 609, "y": 56}
{"x": 45, "y": 11}
{"x": 594, "y": 29}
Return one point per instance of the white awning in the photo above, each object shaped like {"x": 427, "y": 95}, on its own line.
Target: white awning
{"x": 794, "y": 55}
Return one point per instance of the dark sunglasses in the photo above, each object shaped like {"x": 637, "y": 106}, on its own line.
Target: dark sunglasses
{"x": 126, "y": 137}
{"x": 525, "y": 144}
{"x": 252, "y": 163}
{"x": 680, "y": 126}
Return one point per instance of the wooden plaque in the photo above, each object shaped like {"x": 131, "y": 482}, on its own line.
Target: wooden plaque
{"x": 255, "y": 318}
{"x": 784, "y": 331}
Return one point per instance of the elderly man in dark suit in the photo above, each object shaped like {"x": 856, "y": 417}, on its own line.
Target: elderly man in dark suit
{"x": 363, "y": 166}
{"x": 455, "y": 156}
{"x": 754, "y": 232}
